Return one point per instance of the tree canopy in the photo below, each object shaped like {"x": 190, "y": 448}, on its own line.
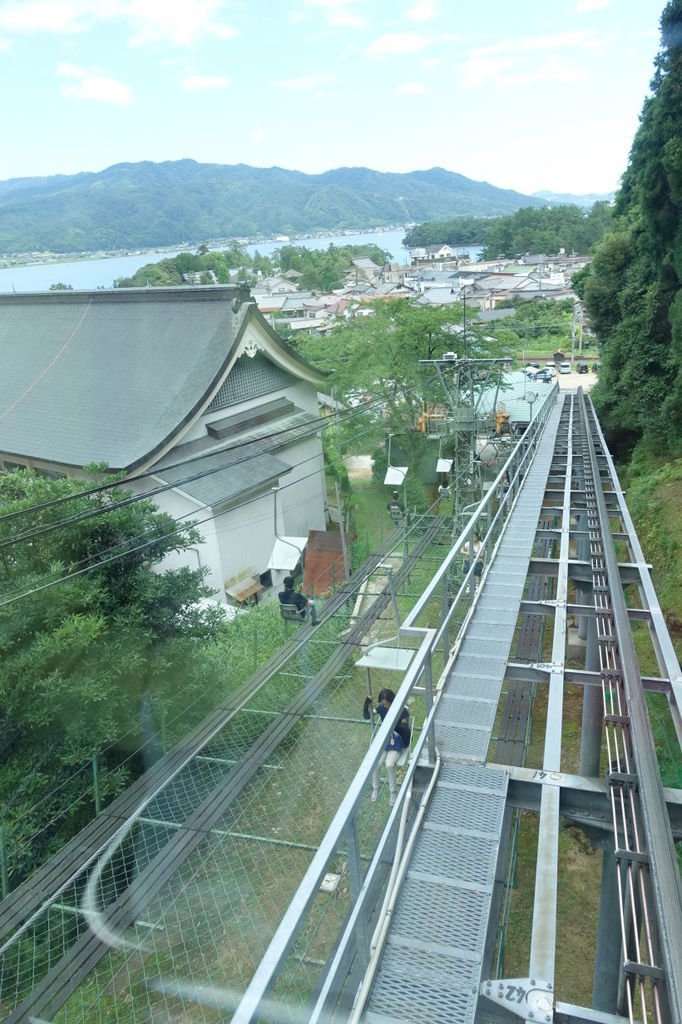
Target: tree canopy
{"x": 374, "y": 360}
{"x": 86, "y": 665}
{"x": 528, "y": 230}
{"x": 632, "y": 288}
{"x": 320, "y": 269}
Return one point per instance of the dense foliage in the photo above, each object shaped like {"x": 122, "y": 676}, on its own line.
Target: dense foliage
{"x": 538, "y": 328}
{"x": 632, "y": 288}
{"x": 528, "y": 230}
{"x": 93, "y": 664}
{"x": 146, "y": 204}
{"x": 320, "y": 269}
{"x": 373, "y": 362}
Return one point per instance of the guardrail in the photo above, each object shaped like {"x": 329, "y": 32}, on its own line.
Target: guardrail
{"x": 352, "y": 950}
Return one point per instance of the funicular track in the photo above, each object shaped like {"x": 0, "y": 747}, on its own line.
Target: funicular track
{"x": 403, "y": 954}
{"x": 649, "y": 893}
{"x": 143, "y": 878}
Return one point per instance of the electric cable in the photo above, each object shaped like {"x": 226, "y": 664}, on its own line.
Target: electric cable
{"x": 10, "y": 597}
{"x": 321, "y": 421}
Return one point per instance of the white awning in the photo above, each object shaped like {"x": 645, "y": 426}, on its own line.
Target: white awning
{"x": 395, "y": 475}
{"x": 444, "y": 465}
{"x": 287, "y": 552}
{"x": 391, "y": 659}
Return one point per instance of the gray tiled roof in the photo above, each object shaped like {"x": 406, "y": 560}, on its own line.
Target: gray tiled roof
{"x": 245, "y": 469}
{"x": 111, "y": 375}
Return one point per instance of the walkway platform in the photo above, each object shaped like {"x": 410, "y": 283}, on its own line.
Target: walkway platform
{"x": 435, "y": 947}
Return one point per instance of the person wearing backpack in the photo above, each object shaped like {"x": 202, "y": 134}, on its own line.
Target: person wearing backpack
{"x": 395, "y": 509}
{"x": 398, "y": 741}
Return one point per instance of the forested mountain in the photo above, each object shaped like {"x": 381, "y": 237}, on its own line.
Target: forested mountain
{"x": 570, "y": 199}
{"x": 528, "y": 230}
{"x": 632, "y": 287}
{"x": 148, "y": 204}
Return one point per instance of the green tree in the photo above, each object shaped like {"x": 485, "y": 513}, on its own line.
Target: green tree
{"x": 528, "y": 230}
{"x": 376, "y": 358}
{"x": 89, "y": 664}
{"x": 632, "y": 287}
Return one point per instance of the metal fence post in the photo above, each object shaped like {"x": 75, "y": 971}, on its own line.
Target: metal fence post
{"x": 355, "y": 878}
{"x": 4, "y": 873}
{"x": 444, "y": 609}
{"x": 428, "y": 699}
{"x": 95, "y": 784}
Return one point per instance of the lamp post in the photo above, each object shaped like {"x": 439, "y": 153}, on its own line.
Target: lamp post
{"x": 464, "y": 322}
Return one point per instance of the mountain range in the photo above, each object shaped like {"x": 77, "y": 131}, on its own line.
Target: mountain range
{"x": 568, "y": 199}
{"x": 142, "y": 205}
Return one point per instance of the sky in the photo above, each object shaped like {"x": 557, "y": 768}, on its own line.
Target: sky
{"x": 529, "y": 94}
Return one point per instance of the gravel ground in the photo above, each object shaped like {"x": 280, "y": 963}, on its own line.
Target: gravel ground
{"x": 571, "y": 381}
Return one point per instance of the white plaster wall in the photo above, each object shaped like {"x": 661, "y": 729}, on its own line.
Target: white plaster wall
{"x": 245, "y": 536}
{"x": 204, "y": 555}
{"x": 301, "y": 498}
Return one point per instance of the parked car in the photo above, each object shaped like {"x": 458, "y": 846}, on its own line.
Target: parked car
{"x": 582, "y": 367}
{"x": 545, "y": 374}
{"x": 564, "y": 367}
{"x": 531, "y": 368}
{"x": 550, "y": 368}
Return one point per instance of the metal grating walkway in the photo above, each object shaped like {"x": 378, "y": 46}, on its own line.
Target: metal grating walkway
{"x": 434, "y": 950}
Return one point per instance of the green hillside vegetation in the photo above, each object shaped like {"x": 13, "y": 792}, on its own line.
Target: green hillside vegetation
{"x": 528, "y": 230}
{"x": 632, "y": 287}
{"x": 632, "y": 293}
{"x": 150, "y": 204}
{"x": 320, "y": 269}
{"x": 538, "y": 328}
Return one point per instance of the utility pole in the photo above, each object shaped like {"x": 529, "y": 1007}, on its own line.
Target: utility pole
{"x": 464, "y": 380}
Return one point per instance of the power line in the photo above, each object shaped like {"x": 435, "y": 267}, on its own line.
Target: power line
{"x": 319, "y": 423}
{"x": 11, "y": 597}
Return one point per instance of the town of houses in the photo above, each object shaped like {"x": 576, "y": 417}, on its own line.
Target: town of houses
{"x": 436, "y": 276}
{"x": 239, "y": 444}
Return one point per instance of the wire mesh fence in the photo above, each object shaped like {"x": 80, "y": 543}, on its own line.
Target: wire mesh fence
{"x": 253, "y": 806}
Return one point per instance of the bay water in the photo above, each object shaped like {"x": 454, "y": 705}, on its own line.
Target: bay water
{"x": 102, "y": 272}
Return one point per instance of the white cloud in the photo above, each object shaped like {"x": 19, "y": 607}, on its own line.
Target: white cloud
{"x": 551, "y": 70}
{"x": 257, "y": 135}
{"x": 99, "y": 88}
{"x": 201, "y": 83}
{"x": 66, "y": 70}
{"x": 424, "y": 10}
{"x": 306, "y": 82}
{"x": 584, "y": 6}
{"x": 411, "y": 88}
{"x": 181, "y": 23}
{"x": 59, "y": 16}
{"x": 532, "y": 44}
{"x": 531, "y": 59}
{"x": 170, "y": 21}
{"x": 339, "y": 12}
{"x": 396, "y": 43}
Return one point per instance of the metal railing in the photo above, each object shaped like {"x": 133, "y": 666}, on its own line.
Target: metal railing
{"x": 354, "y": 948}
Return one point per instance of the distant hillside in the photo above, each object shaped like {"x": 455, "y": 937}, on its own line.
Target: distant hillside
{"x": 132, "y": 206}
{"x": 585, "y": 201}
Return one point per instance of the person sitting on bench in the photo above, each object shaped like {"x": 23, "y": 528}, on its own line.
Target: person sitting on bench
{"x": 291, "y": 599}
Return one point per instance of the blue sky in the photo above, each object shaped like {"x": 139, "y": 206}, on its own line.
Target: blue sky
{"x": 531, "y": 94}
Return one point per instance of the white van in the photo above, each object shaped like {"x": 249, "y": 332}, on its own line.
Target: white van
{"x": 564, "y": 367}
